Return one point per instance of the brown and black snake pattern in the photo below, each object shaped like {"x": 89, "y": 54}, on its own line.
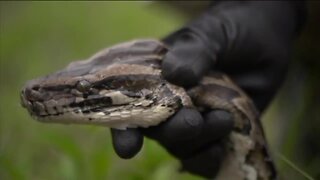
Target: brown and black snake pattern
{"x": 122, "y": 87}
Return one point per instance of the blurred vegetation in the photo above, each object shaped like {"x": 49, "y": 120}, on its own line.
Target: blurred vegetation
{"x": 298, "y": 103}
{"x": 40, "y": 37}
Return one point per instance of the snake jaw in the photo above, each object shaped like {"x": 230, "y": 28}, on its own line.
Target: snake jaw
{"x": 141, "y": 112}
{"x": 108, "y": 103}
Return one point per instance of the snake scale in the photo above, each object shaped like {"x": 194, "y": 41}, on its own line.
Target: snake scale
{"x": 122, "y": 87}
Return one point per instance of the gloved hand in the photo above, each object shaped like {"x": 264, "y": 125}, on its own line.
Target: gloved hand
{"x": 248, "y": 40}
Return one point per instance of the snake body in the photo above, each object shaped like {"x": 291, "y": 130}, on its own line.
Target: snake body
{"x": 122, "y": 87}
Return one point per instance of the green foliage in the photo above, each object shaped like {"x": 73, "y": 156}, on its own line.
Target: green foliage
{"x": 41, "y": 37}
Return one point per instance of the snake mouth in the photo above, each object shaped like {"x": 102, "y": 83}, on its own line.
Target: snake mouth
{"x": 52, "y": 108}
{"x": 113, "y": 108}
{"x": 57, "y": 104}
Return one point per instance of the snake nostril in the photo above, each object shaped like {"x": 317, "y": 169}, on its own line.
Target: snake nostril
{"x": 31, "y": 94}
{"x": 27, "y": 93}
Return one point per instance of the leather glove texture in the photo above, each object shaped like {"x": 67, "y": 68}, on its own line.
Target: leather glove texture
{"x": 248, "y": 40}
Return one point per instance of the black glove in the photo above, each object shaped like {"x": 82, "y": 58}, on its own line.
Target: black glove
{"x": 248, "y": 40}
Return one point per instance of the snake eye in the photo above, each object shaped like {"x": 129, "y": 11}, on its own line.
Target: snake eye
{"x": 83, "y": 85}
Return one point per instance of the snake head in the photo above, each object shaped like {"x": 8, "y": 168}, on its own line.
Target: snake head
{"x": 118, "y": 87}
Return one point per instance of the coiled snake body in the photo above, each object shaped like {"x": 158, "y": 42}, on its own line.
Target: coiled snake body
{"x": 122, "y": 87}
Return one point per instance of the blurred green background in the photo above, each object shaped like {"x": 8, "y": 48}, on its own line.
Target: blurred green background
{"x": 41, "y": 37}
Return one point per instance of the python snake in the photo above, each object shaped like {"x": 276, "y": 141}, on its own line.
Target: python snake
{"x": 122, "y": 87}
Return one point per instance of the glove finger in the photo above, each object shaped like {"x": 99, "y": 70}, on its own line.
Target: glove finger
{"x": 205, "y": 163}
{"x": 177, "y": 133}
{"x": 126, "y": 143}
{"x": 187, "y": 61}
{"x": 217, "y": 124}
{"x": 186, "y": 124}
